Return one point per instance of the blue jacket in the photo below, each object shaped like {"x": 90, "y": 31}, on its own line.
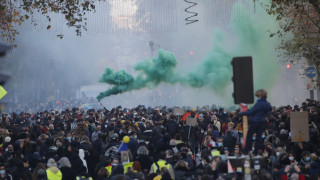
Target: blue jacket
{"x": 259, "y": 111}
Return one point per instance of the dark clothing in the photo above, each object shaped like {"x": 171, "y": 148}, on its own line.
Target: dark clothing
{"x": 257, "y": 121}
{"x": 172, "y": 128}
{"x": 145, "y": 161}
{"x": 229, "y": 141}
{"x": 68, "y": 173}
{"x": 91, "y": 160}
{"x": 259, "y": 111}
{"x": 254, "y": 127}
{"x": 182, "y": 174}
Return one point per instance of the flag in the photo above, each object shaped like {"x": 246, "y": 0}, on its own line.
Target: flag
{"x": 3, "y": 92}
{"x": 123, "y": 147}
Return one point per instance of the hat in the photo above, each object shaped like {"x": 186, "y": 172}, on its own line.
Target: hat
{"x": 173, "y": 142}
{"x": 113, "y": 119}
{"x": 313, "y": 156}
{"x": 7, "y": 139}
{"x": 36, "y": 156}
{"x": 283, "y": 131}
{"x": 53, "y": 149}
{"x": 51, "y": 162}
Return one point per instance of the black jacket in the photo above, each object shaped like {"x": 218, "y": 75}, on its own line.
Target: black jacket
{"x": 172, "y": 127}
{"x": 229, "y": 141}
{"x": 68, "y": 173}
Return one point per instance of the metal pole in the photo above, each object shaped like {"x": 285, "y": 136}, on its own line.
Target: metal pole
{"x": 311, "y": 94}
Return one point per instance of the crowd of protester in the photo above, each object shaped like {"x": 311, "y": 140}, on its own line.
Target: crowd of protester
{"x": 84, "y": 144}
{"x": 58, "y": 104}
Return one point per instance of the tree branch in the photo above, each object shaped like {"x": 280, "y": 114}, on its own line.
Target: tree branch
{"x": 315, "y": 4}
{"x": 315, "y": 23}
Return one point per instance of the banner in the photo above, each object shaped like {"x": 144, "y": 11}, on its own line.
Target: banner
{"x": 178, "y": 111}
{"x": 191, "y": 121}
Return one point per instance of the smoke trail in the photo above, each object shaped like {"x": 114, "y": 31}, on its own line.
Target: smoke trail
{"x": 215, "y": 71}
{"x": 151, "y": 74}
{"x": 120, "y": 80}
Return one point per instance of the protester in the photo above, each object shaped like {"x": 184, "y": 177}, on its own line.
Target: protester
{"x": 77, "y": 143}
{"x": 257, "y": 121}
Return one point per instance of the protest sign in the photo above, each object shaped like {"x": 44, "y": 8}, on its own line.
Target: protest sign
{"x": 299, "y": 126}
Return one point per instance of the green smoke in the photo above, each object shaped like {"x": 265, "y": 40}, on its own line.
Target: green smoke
{"x": 151, "y": 74}
{"x": 215, "y": 71}
{"x": 254, "y": 40}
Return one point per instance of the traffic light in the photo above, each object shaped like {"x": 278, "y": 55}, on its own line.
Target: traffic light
{"x": 4, "y": 75}
{"x": 242, "y": 80}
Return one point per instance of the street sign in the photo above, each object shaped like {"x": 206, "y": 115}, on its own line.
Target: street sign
{"x": 311, "y": 72}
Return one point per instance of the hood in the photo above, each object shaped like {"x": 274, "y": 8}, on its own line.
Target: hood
{"x": 81, "y": 153}
{"x": 54, "y": 169}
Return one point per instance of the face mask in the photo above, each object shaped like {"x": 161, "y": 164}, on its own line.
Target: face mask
{"x": 220, "y": 144}
{"x": 265, "y": 154}
{"x": 277, "y": 153}
{"x": 120, "y": 132}
{"x": 257, "y": 98}
{"x": 224, "y": 112}
{"x": 307, "y": 158}
{"x": 38, "y": 120}
{"x": 223, "y": 157}
{"x": 263, "y": 136}
{"x": 69, "y": 138}
{"x": 2, "y": 172}
{"x": 190, "y": 153}
{"x": 253, "y": 138}
{"x": 135, "y": 137}
{"x": 202, "y": 162}
{"x": 291, "y": 158}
